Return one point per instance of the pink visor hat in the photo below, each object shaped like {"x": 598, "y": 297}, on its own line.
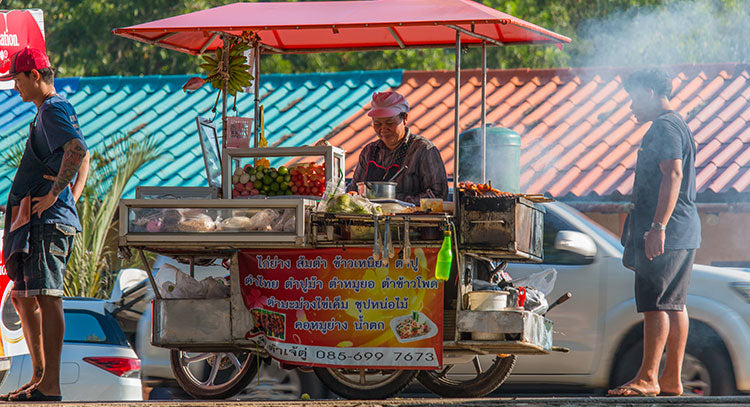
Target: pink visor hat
{"x": 26, "y": 60}
{"x": 388, "y": 104}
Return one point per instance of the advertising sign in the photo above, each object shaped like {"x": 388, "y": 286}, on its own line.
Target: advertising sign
{"x": 12, "y": 342}
{"x": 342, "y": 308}
{"x": 18, "y": 29}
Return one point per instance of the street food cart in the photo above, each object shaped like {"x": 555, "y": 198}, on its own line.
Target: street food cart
{"x": 351, "y": 292}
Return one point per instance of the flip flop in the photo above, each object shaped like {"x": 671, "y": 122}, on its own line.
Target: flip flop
{"x": 638, "y": 392}
{"x": 35, "y": 395}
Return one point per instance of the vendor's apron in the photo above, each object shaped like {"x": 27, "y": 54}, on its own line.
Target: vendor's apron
{"x": 28, "y": 182}
{"x": 379, "y": 171}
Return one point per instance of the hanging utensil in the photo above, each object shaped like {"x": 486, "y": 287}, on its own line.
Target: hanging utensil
{"x": 400, "y": 170}
{"x": 389, "y": 247}
{"x": 376, "y": 243}
{"x": 407, "y": 245}
{"x": 386, "y": 241}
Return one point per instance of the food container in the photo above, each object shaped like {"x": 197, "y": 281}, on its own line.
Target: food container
{"x": 377, "y": 189}
{"x": 431, "y": 204}
{"x": 488, "y": 300}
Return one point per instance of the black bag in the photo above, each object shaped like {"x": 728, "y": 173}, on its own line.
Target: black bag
{"x": 631, "y": 243}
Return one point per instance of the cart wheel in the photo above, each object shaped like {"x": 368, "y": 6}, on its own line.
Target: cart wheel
{"x": 365, "y": 384}
{"x": 213, "y": 375}
{"x": 475, "y": 384}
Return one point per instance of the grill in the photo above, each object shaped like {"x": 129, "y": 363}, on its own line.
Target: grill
{"x": 510, "y": 227}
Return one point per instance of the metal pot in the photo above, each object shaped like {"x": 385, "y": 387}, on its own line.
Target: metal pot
{"x": 377, "y": 189}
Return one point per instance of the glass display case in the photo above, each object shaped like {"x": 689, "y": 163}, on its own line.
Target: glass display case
{"x": 207, "y": 223}
{"x": 281, "y": 171}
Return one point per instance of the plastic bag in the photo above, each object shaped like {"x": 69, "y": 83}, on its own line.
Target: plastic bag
{"x": 543, "y": 281}
{"x": 357, "y": 204}
{"x": 263, "y": 220}
{"x": 285, "y": 222}
{"x": 176, "y": 284}
{"x": 334, "y": 186}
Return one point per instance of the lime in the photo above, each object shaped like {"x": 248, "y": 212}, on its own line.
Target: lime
{"x": 275, "y": 186}
{"x": 258, "y": 184}
{"x": 287, "y": 178}
{"x": 267, "y": 180}
{"x": 280, "y": 179}
{"x": 260, "y": 168}
{"x": 283, "y": 170}
{"x": 284, "y": 186}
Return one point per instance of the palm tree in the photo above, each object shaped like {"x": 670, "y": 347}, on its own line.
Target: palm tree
{"x": 90, "y": 271}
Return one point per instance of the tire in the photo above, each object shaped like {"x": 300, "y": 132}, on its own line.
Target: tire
{"x": 480, "y": 385}
{"x": 706, "y": 368}
{"x": 348, "y": 383}
{"x": 217, "y": 375}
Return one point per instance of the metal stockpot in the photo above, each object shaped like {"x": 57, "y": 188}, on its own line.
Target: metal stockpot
{"x": 377, "y": 189}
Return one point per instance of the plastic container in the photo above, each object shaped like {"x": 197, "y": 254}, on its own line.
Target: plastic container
{"x": 503, "y": 157}
{"x": 488, "y": 300}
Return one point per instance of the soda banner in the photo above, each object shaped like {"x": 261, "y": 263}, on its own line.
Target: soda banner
{"x": 341, "y": 308}
{"x": 18, "y": 29}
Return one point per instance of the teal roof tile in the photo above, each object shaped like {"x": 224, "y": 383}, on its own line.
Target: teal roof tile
{"x": 307, "y": 105}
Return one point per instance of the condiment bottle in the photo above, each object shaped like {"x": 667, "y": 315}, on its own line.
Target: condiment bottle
{"x": 444, "y": 258}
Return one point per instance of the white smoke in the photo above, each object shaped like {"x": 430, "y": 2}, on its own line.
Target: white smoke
{"x": 679, "y": 32}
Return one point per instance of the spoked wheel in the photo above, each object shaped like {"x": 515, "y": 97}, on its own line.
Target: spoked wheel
{"x": 213, "y": 375}
{"x": 366, "y": 384}
{"x": 483, "y": 379}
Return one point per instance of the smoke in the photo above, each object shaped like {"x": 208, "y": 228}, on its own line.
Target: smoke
{"x": 677, "y": 32}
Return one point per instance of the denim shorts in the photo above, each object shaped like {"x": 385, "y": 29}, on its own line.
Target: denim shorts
{"x": 42, "y": 270}
{"x": 662, "y": 284}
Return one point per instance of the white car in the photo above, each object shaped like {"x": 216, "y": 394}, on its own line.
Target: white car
{"x": 600, "y": 326}
{"x": 98, "y": 364}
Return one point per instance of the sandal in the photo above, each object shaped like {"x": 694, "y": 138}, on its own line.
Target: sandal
{"x": 35, "y": 395}
{"x": 634, "y": 392}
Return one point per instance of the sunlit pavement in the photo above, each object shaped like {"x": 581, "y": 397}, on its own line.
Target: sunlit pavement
{"x": 484, "y": 402}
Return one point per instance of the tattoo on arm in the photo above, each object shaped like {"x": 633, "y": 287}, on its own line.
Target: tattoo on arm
{"x": 71, "y": 161}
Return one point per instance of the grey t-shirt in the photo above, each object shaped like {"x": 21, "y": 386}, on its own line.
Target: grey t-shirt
{"x": 668, "y": 138}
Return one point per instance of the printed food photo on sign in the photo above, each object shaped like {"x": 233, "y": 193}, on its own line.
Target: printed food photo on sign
{"x": 343, "y": 308}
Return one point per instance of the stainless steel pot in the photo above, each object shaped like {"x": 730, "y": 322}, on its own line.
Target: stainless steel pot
{"x": 377, "y": 189}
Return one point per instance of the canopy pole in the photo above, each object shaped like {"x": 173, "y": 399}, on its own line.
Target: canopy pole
{"x": 256, "y": 93}
{"x": 484, "y": 112}
{"x": 225, "y": 89}
{"x": 456, "y": 118}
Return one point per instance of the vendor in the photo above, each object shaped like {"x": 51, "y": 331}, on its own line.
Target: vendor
{"x": 396, "y": 146}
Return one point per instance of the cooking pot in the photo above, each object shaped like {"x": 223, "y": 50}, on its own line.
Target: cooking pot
{"x": 377, "y": 189}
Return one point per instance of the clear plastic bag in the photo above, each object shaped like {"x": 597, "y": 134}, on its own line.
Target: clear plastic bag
{"x": 263, "y": 220}
{"x": 357, "y": 204}
{"x": 285, "y": 222}
{"x": 543, "y": 281}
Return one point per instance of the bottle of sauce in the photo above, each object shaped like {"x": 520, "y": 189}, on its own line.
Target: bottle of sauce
{"x": 444, "y": 258}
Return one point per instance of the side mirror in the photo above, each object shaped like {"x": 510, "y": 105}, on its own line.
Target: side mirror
{"x": 575, "y": 242}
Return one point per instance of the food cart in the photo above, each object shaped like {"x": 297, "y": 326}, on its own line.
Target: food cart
{"x": 350, "y": 293}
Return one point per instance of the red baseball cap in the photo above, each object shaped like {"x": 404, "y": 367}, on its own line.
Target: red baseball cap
{"x": 26, "y": 60}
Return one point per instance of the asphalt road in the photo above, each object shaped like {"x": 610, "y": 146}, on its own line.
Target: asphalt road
{"x": 409, "y": 402}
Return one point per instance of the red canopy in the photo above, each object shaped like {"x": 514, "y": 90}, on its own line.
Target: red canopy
{"x": 329, "y": 26}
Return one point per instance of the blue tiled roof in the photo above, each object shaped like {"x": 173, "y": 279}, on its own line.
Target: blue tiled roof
{"x": 299, "y": 110}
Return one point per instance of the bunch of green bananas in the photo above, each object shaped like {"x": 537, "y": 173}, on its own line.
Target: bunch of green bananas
{"x": 236, "y": 74}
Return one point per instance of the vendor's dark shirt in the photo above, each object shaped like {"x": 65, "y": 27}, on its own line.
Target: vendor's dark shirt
{"x": 668, "y": 138}
{"x": 425, "y": 176}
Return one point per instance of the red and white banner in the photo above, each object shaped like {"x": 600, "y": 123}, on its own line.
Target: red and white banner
{"x": 18, "y": 29}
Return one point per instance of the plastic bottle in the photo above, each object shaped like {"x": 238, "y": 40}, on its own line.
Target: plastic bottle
{"x": 444, "y": 258}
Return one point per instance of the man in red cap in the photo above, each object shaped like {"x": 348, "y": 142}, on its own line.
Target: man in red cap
{"x": 396, "y": 147}
{"x": 42, "y": 220}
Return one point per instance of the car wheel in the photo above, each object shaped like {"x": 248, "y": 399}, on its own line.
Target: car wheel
{"x": 706, "y": 369}
{"x": 484, "y": 382}
{"x": 213, "y": 375}
{"x": 366, "y": 384}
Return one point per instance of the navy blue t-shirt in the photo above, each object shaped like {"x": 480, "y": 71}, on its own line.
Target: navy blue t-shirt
{"x": 56, "y": 124}
{"x": 668, "y": 138}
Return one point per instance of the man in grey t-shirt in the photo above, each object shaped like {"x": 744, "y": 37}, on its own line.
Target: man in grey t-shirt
{"x": 665, "y": 233}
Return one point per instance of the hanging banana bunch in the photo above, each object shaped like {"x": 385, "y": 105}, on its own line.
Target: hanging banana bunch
{"x": 236, "y": 73}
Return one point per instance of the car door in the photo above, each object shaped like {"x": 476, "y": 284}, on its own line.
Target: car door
{"x": 577, "y": 323}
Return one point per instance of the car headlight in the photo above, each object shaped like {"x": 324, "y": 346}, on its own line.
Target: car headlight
{"x": 743, "y": 289}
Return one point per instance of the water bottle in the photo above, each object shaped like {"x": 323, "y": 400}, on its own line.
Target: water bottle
{"x": 444, "y": 259}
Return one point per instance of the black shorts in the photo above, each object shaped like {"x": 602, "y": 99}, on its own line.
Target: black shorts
{"x": 42, "y": 270}
{"x": 661, "y": 284}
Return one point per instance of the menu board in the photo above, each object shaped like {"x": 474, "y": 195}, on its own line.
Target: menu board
{"x": 341, "y": 308}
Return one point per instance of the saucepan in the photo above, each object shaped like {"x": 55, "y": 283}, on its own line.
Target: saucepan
{"x": 377, "y": 189}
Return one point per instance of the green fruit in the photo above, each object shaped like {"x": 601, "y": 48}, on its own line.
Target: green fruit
{"x": 267, "y": 180}
{"x": 274, "y": 173}
{"x": 258, "y": 184}
{"x": 251, "y": 171}
{"x": 288, "y": 192}
{"x": 283, "y": 170}
{"x": 284, "y": 186}
{"x": 287, "y": 178}
{"x": 260, "y": 167}
{"x": 275, "y": 187}
{"x": 280, "y": 179}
